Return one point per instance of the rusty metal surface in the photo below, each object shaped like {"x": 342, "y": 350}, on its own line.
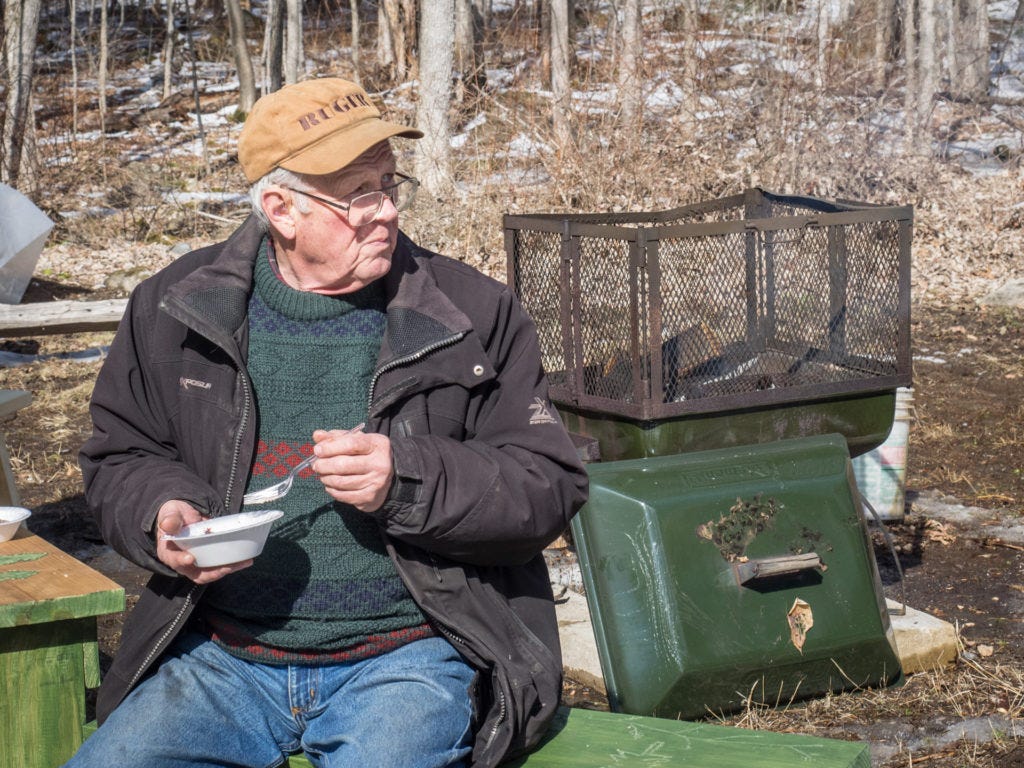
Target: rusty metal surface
{"x": 747, "y": 301}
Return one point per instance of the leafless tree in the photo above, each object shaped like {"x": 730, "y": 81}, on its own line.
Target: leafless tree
{"x": 353, "y": 6}
{"x": 293, "y": 50}
{"x": 168, "y": 50}
{"x": 969, "y": 45}
{"x": 630, "y": 74}
{"x": 273, "y": 47}
{"x": 101, "y": 67}
{"x": 884, "y": 13}
{"x": 910, "y": 72}
{"x": 691, "y": 28}
{"x": 561, "y": 103}
{"x": 243, "y": 63}
{"x": 391, "y": 45}
{"x": 436, "y": 46}
{"x": 927, "y": 60}
{"x": 21, "y": 21}
{"x": 468, "y": 38}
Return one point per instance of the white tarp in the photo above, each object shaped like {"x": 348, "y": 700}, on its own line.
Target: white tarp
{"x": 23, "y": 232}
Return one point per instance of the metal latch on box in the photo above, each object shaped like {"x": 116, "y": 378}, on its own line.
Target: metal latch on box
{"x": 772, "y": 567}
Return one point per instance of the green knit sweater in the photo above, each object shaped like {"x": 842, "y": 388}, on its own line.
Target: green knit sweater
{"x": 324, "y": 587}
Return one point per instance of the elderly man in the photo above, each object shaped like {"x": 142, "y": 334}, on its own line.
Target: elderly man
{"x": 400, "y": 613}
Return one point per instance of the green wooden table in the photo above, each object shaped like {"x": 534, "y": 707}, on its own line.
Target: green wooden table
{"x": 48, "y": 652}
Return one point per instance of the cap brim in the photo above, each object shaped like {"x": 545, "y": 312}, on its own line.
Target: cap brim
{"x": 336, "y": 150}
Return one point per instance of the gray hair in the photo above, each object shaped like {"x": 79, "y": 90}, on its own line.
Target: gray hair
{"x": 282, "y": 178}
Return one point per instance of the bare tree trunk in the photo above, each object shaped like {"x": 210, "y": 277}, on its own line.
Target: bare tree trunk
{"x": 353, "y": 6}
{"x": 74, "y": 67}
{"x": 465, "y": 40}
{"x": 561, "y": 102}
{"x": 691, "y": 30}
{"x": 168, "y": 51}
{"x": 971, "y": 76}
{"x": 884, "y": 12}
{"x": 927, "y": 58}
{"x": 21, "y": 21}
{"x": 293, "y": 53}
{"x": 101, "y": 74}
{"x": 392, "y": 11}
{"x": 243, "y": 62}
{"x": 385, "y": 40}
{"x": 947, "y": 34}
{"x": 409, "y": 16}
{"x": 273, "y": 47}
{"x": 433, "y": 151}
{"x": 823, "y": 41}
{"x": 630, "y": 75}
{"x": 910, "y": 85}
{"x": 544, "y": 43}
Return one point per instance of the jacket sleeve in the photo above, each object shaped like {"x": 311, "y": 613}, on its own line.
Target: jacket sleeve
{"x": 130, "y": 465}
{"x": 510, "y": 488}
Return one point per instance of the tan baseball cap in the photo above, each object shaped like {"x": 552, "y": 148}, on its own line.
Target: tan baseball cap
{"x": 316, "y": 126}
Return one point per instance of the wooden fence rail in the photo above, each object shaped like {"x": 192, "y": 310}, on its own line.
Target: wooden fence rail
{"x": 48, "y": 317}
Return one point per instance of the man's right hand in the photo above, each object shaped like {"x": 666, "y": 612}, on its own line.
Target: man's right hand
{"x": 172, "y": 517}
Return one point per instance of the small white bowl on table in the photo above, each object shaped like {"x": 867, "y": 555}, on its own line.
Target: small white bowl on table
{"x": 11, "y": 519}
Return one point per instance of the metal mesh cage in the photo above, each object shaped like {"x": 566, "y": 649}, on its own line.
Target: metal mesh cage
{"x": 740, "y": 302}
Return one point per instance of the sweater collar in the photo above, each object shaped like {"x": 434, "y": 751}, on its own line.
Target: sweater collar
{"x": 306, "y": 306}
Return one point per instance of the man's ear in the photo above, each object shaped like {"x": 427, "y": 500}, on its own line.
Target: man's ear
{"x": 277, "y": 205}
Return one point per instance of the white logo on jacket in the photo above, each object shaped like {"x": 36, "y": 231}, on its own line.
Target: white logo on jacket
{"x": 186, "y": 384}
{"x": 541, "y": 414}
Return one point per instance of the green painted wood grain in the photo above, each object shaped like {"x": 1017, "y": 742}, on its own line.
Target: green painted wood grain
{"x": 581, "y": 738}
{"x": 42, "y": 692}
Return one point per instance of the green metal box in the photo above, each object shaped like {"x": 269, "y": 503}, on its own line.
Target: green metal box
{"x": 724, "y": 577}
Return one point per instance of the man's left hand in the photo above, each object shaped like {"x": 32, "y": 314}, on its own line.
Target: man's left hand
{"x": 355, "y": 467}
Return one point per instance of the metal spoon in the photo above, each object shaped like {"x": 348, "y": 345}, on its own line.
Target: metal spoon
{"x": 280, "y": 489}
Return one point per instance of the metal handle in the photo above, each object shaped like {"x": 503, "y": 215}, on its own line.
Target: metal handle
{"x": 770, "y": 567}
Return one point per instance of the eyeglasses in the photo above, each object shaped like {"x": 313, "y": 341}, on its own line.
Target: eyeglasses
{"x": 364, "y": 208}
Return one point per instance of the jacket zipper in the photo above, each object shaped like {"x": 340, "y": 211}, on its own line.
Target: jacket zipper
{"x": 153, "y": 652}
{"x": 457, "y": 640}
{"x": 410, "y": 358}
{"x": 189, "y": 597}
{"x": 246, "y": 407}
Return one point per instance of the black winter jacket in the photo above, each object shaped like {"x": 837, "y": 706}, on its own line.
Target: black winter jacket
{"x": 486, "y": 474}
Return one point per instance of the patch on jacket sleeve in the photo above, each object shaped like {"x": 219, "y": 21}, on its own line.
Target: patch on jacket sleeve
{"x": 541, "y": 413}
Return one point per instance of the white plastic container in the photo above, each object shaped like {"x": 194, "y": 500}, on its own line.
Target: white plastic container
{"x": 23, "y": 232}
{"x": 226, "y": 539}
{"x": 881, "y": 474}
{"x": 11, "y": 519}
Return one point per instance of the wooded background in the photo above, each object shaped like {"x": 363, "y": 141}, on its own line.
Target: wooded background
{"x": 906, "y": 54}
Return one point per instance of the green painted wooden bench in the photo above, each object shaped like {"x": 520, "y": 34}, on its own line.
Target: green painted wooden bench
{"x": 584, "y": 738}
{"x": 48, "y": 654}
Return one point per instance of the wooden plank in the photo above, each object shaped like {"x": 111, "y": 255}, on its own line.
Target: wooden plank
{"x": 39, "y": 583}
{"x": 47, "y": 317}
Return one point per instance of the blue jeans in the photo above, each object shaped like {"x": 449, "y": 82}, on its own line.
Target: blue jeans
{"x": 409, "y": 708}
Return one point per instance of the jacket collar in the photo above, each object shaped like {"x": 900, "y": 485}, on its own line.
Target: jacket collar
{"x": 213, "y": 299}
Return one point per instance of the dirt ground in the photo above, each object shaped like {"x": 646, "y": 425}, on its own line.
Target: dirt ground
{"x": 966, "y": 445}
